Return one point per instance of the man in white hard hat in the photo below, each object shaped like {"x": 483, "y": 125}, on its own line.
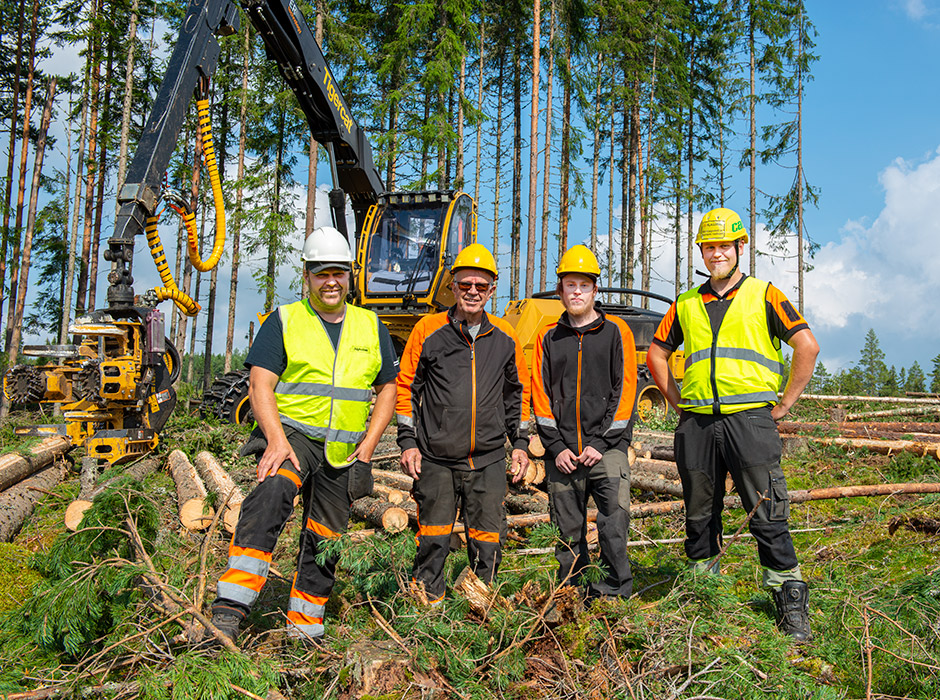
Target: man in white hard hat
{"x": 732, "y": 328}
{"x": 314, "y": 366}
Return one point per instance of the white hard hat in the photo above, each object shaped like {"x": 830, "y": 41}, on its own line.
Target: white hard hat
{"x": 326, "y": 247}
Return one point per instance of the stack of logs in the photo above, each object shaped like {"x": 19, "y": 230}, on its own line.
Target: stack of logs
{"x": 24, "y": 478}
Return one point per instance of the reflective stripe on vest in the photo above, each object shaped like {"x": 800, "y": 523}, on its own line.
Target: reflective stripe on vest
{"x": 323, "y": 393}
{"x": 740, "y": 368}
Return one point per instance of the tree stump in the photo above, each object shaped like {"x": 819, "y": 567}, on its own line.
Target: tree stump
{"x": 219, "y": 482}
{"x": 380, "y": 513}
{"x": 77, "y": 508}
{"x": 18, "y": 501}
{"x": 190, "y": 493}
{"x": 14, "y": 467}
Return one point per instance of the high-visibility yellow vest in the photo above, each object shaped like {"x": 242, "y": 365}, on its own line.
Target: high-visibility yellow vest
{"x": 323, "y": 393}
{"x": 739, "y": 368}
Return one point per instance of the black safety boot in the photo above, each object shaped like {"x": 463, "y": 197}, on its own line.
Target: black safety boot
{"x": 227, "y": 623}
{"x": 792, "y": 610}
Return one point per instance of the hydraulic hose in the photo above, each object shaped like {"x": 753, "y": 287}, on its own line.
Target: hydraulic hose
{"x": 208, "y": 150}
{"x": 169, "y": 290}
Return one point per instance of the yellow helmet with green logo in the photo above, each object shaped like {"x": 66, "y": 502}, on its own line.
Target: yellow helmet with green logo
{"x": 721, "y": 225}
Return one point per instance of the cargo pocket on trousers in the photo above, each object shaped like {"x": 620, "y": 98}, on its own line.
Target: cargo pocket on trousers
{"x": 360, "y": 480}
{"x": 779, "y": 498}
{"x": 623, "y": 493}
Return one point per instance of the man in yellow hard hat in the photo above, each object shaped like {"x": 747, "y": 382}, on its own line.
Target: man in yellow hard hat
{"x": 732, "y": 328}
{"x": 315, "y": 366}
{"x": 583, "y": 389}
{"x": 463, "y": 388}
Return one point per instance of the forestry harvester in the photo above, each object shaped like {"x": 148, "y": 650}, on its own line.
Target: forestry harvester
{"x": 115, "y": 384}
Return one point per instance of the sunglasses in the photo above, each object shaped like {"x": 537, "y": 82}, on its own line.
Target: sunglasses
{"x": 481, "y": 287}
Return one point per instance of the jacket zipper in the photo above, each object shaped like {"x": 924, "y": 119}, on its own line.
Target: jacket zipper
{"x": 578, "y": 394}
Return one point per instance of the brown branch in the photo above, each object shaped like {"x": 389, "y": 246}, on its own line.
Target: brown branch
{"x": 737, "y": 534}
{"x": 204, "y": 551}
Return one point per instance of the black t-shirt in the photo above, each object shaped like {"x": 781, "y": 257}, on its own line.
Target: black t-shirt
{"x": 267, "y": 350}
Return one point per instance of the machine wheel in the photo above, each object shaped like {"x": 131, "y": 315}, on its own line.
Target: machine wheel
{"x": 652, "y": 409}
{"x": 227, "y": 398}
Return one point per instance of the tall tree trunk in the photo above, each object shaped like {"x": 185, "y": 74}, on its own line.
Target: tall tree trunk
{"x": 222, "y": 153}
{"x": 516, "y": 231}
{"x": 313, "y": 155}
{"x": 533, "y": 147}
{"x": 547, "y": 167}
{"x": 128, "y": 96}
{"x": 497, "y": 188}
{"x": 425, "y": 153}
{"x": 76, "y": 206}
{"x": 20, "y": 306}
{"x": 690, "y": 204}
{"x": 646, "y": 203}
{"x": 191, "y": 369}
{"x": 239, "y": 193}
{"x": 445, "y": 147}
{"x": 752, "y": 132}
{"x": 565, "y": 166}
{"x": 274, "y": 233}
{"x": 596, "y": 159}
{"x": 458, "y": 173}
{"x": 21, "y": 191}
{"x": 631, "y": 147}
{"x": 94, "y": 50}
{"x": 102, "y": 165}
{"x": 479, "y": 165}
{"x": 799, "y": 163}
{"x": 610, "y": 195}
{"x": 11, "y": 159}
{"x": 182, "y": 252}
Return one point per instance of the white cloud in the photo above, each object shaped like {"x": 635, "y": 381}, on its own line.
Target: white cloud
{"x": 915, "y": 9}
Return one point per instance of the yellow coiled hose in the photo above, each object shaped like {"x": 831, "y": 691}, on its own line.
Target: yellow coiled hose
{"x": 208, "y": 150}
{"x": 169, "y": 290}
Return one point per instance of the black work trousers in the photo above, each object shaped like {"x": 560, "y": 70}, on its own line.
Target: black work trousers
{"x": 438, "y": 493}
{"x": 327, "y": 493}
{"x": 747, "y": 446}
{"x": 608, "y": 482}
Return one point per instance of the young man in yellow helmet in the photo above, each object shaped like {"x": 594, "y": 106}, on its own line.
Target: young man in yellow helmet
{"x": 732, "y": 328}
{"x": 314, "y": 366}
{"x": 583, "y": 389}
{"x": 463, "y": 388}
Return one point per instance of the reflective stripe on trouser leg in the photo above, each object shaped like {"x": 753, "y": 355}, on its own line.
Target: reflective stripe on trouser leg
{"x": 305, "y": 614}
{"x": 327, "y": 518}
{"x": 246, "y": 574}
{"x": 483, "y": 492}
{"x": 434, "y": 494}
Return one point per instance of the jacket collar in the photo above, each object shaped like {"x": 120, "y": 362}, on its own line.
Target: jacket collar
{"x": 592, "y": 326}
{"x": 460, "y": 326}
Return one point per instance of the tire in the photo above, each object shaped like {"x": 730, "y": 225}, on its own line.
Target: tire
{"x": 651, "y": 408}
{"x": 227, "y": 399}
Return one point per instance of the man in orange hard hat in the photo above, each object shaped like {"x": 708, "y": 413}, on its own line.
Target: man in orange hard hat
{"x": 583, "y": 390}
{"x": 732, "y": 328}
{"x": 463, "y": 388}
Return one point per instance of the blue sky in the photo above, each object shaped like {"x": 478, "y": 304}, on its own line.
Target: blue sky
{"x": 872, "y": 147}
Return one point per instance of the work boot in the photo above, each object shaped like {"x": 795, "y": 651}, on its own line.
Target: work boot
{"x": 227, "y": 623}
{"x": 792, "y": 610}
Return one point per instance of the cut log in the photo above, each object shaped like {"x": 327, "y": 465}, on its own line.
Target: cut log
{"x": 219, "y": 482}
{"x": 396, "y": 479}
{"x": 535, "y": 473}
{"x": 526, "y": 502}
{"x": 76, "y": 509}
{"x": 389, "y": 493}
{"x": 873, "y": 399}
{"x": 380, "y": 513}
{"x": 658, "y": 467}
{"x": 14, "y": 467}
{"x": 190, "y": 493}
{"x": 536, "y": 449}
{"x": 644, "y": 451}
{"x": 885, "y": 447}
{"x": 18, "y": 501}
{"x": 805, "y": 495}
{"x": 480, "y": 597}
{"x": 656, "y": 484}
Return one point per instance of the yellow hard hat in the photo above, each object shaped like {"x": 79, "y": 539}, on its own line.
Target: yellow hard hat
{"x": 475, "y": 256}
{"x": 721, "y": 225}
{"x": 580, "y": 259}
